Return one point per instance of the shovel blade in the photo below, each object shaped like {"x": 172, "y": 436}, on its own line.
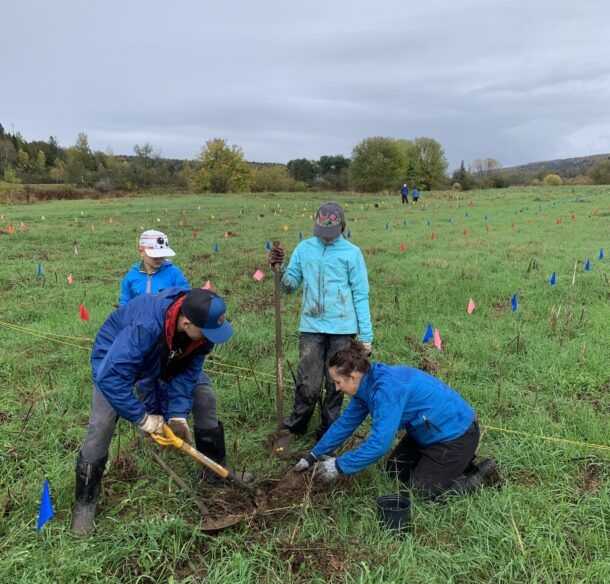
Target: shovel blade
{"x": 280, "y": 442}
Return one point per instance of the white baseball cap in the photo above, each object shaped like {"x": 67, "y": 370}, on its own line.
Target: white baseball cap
{"x": 156, "y": 244}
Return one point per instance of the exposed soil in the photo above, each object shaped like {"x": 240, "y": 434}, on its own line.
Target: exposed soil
{"x": 316, "y": 557}
{"x": 500, "y": 307}
{"x": 428, "y": 364}
{"x": 593, "y": 473}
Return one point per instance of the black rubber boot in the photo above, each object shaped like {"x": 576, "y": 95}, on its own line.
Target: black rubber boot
{"x": 212, "y": 444}
{"x": 88, "y": 488}
{"x": 484, "y": 473}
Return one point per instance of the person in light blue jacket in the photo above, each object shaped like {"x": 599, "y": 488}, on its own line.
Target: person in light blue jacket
{"x": 335, "y": 308}
{"x": 437, "y": 454}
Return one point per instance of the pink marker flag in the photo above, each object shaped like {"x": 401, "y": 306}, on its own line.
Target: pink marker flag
{"x": 471, "y": 306}
{"x": 208, "y": 286}
{"x": 226, "y": 235}
{"x": 258, "y": 275}
{"x": 69, "y": 278}
{"x": 437, "y": 340}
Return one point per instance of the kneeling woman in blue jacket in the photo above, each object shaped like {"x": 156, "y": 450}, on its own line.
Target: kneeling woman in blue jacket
{"x": 436, "y": 456}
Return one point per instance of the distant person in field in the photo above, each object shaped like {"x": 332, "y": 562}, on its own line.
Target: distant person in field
{"x": 437, "y": 454}
{"x": 155, "y": 273}
{"x": 415, "y": 195}
{"x": 162, "y": 340}
{"x": 335, "y": 309}
{"x": 404, "y": 194}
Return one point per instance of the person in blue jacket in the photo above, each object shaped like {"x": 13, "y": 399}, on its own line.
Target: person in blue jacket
{"x": 155, "y": 273}
{"x": 335, "y": 308}
{"x": 159, "y": 338}
{"x": 415, "y": 195}
{"x": 404, "y": 194}
{"x": 437, "y": 454}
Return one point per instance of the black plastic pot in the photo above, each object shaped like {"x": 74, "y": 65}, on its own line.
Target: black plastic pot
{"x": 394, "y": 512}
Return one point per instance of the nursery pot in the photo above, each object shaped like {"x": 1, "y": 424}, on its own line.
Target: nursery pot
{"x": 394, "y": 512}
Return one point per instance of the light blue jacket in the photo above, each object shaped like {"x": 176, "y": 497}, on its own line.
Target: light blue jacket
{"x": 335, "y": 287}
{"x": 137, "y": 282}
{"x": 398, "y": 398}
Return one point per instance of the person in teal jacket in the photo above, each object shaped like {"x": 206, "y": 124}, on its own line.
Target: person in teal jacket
{"x": 437, "y": 454}
{"x": 154, "y": 272}
{"x": 335, "y": 308}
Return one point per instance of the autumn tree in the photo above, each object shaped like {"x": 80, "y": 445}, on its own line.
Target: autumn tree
{"x": 220, "y": 168}
{"x": 377, "y": 164}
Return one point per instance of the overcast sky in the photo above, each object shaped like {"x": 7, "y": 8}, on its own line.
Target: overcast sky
{"x": 518, "y": 81}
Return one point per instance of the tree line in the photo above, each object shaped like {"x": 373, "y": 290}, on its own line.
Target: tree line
{"x": 377, "y": 164}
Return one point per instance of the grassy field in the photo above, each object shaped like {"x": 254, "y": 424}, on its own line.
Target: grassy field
{"x": 544, "y": 370}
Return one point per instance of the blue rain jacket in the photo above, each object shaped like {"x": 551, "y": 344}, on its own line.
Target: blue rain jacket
{"x": 335, "y": 287}
{"x": 137, "y": 282}
{"x": 129, "y": 348}
{"x": 397, "y": 398}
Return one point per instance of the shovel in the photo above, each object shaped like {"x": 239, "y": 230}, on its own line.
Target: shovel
{"x": 280, "y": 441}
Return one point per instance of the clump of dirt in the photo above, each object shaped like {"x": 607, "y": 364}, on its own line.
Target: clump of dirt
{"x": 592, "y": 476}
{"x": 124, "y": 469}
{"x": 428, "y": 364}
{"x": 499, "y": 307}
{"x": 308, "y": 558}
{"x": 526, "y": 476}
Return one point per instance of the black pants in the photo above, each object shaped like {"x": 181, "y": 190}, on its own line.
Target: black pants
{"x": 436, "y": 469}
{"x": 405, "y": 199}
{"x": 315, "y": 349}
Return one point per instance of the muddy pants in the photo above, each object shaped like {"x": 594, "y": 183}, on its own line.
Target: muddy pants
{"x": 103, "y": 420}
{"x": 435, "y": 469}
{"x": 315, "y": 350}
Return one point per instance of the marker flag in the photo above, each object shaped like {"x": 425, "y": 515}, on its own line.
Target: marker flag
{"x": 109, "y": 219}
{"x": 285, "y": 228}
{"x": 601, "y": 253}
{"x": 402, "y": 246}
{"x": 208, "y": 286}
{"x": 39, "y": 273}
{"x": 553, "y": 279}
{"x": 70, "y": 279}
{"x": 433, "y": 236}
{"x": 83, "y": 314}
{"x": 437, "y": 340}
{"x": 465, "y": 231}
{"x": 514, "y": 302}
{"x": 466, "y": 214}
{"x": 513, "y": 225}
{"x": 486, "y": 217}
{"x": 258, "y": 275}
{"x": 46, "y": 506}
{"x": 487, "y": 228}
{"x": 587, "y": 265}
{"x": 194, "y": 234}
{"x": 471, "y": 306}
{"x": 573, "y": 217}
{"x": 387, "y": 225}
{"x": 404, "y": 222}
{"x": 429, "y": 334}
{"x": 216, "y": 248}
{"x": 349, "y": 234}
{"x": 11, "y": 230}
{"x": 470, "y": 203}
{"x": 226, "y": 235}
{"x": 268, "y": 245}
{"x": 429, "y": 224}
{"x": 300, "y": 236}
{"x": 75, "y": 250}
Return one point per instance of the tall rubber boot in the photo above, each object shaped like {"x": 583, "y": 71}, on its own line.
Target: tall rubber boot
{"x": 212, "y": 444}
{"x": 87, "y": 494}
{"x": 485, "y": 473}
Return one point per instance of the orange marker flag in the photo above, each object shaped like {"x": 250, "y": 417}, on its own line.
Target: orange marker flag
{"x": 471, "y": 306}
{"x": 437, "y": 340}
{"x": 83, "y": 314}
{"x": 11, "y": 229}
{"x": 513, "y": 225}
{"x": 433, "y": 236}
{"x": 573, "y": 217}
{"x": 402, "y": 246}
{"x": 109, "y": 219}
{"x": 194, "y": 234}
{"x": 465, "y": 231}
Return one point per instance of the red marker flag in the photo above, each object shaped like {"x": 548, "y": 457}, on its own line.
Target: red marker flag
{"x": 465, "y": 231}
{"x": 573, "y": 217}
{"x": 83, "y": 314}
{"x": 11, "y": 229}
{"x": 194, "y": 234}
{"x": 433, "y": 236}
{"x": 402, "y": 246}
{"x": 513, "y": 225}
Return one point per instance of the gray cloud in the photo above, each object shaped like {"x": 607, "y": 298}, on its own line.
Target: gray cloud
{"x": 518, "y": 81}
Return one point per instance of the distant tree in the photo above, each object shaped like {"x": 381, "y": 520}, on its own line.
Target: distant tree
{"x": 23, "y": 160}
{"x": 303, "y": 170}
{"x": 220, "y": 168}
{"x": 10, "y": 176}
{"x": 552, "y": 180}
{"x": 600, "y": 173}
{"x": 81, "y": 164}
{"x": 334, "y": 172}
{"x": 464, "y": 178}
{"x": 432, "y": 163}
{"x": 271, "y": 178}
{"x": 377, "y": 164}
{"x": 41, "y": 161}
{"x": 58, "y": 171}
{"x": 1, "y": 131}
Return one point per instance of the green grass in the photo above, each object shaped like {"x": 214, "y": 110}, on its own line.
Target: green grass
{"x": 544, "y": 370}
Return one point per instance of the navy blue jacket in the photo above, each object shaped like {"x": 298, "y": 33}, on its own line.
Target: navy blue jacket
{"x": 130, "y": 347}
{"x": 398, "y": 398}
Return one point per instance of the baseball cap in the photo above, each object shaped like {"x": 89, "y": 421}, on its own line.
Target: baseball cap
{"x": 206, "y": 310}
{"x": 156, "y": 244}
{"x": 330, "y": 219}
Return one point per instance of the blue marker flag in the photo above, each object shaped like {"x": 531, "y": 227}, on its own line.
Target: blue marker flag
{"x": 601, "y": 253}
{"x": 46, "y": 507}
{"x": 268, "y": 245}
{"x": 587, "y": 265}
{"x": 485, "y": 216}
{"x": 429, "y": 334}
{"x": 39, "y": 273}
{"x": 404, "y": 222}
{"x": 216, "y": 248}
{"x": 300, "y": 236}
{"x": 429, "y": 223}
{"x": 466, "y": 214}
{"x": 349, "y": 234}
{"x": 553, "y": 279}
{"x": 387, "y": 225}
{"x": 514, "y": 302}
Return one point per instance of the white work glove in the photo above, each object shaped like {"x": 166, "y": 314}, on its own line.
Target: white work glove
{"x": 180, "y": 427}
{"x": 368, "y": 347}
{"x": 327, "y": 470}
{"x": 305, "y": 463}
{"x": 152, "y": 424}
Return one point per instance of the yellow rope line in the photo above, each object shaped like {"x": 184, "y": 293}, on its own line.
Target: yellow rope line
{"x": 28, "y": 331}
{"x": 551, "y": 438}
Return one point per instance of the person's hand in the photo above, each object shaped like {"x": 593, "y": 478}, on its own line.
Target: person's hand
{"x": 368, "y": 347}
{"x": 276, "y": 255}
{"x": 180, "y": 428}
{"x": 305, "y": 463}
{"x": 152, "y": 424}
{"x": 327, "y": 470}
